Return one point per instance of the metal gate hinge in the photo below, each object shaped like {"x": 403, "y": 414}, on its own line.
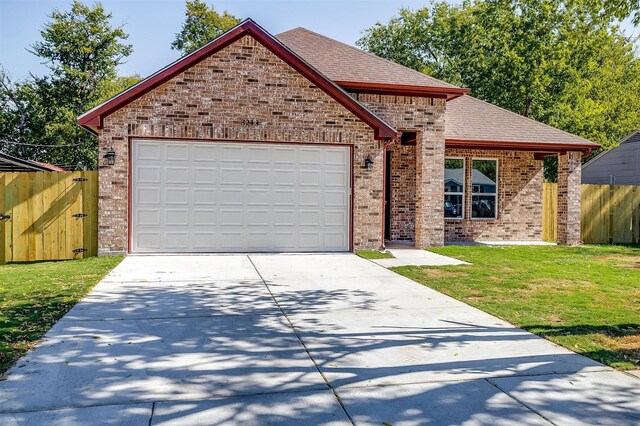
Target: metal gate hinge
{"x": 5, "y": 216}
{"x": 80, "y": 250}
{"x": 80, "y": 179}
{"x": 80, "y": 215}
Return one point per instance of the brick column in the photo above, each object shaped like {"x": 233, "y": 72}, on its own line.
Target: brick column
{"x": 429, "y": 225}
{"x": 569, "y": 181}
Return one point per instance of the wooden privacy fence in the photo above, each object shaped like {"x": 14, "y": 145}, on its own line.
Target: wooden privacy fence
{"x": 610, "y": 213}
{"x": 48, "y": 215}
{"x": 550, "y": 212}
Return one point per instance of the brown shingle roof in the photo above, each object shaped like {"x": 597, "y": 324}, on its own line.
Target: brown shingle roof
{"x": 93, "y": 119}
{"x": 343, "y": 63}
{"x": 471, "y": 119}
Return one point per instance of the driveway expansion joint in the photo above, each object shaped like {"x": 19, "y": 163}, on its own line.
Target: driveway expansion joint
{"x": 335, "y": 393}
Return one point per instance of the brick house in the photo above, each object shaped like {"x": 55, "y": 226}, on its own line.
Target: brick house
{"x": 297, "y": 142}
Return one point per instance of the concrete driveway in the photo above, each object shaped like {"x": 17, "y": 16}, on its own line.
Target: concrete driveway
{"x": 299, "y": 339}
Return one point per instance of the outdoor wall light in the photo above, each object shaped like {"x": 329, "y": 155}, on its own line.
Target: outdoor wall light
{"x": 111, "y": 157}
{"x": 368, "y": 163}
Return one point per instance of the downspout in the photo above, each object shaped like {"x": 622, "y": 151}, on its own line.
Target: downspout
{"x": 384, "y": 182}
{"x": 586, "y": 154}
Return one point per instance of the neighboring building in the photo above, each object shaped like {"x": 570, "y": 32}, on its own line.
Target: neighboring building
{"x": 301, "y": 143}
{"x": 9, "y": 163}
{"x": 618, "y": 166}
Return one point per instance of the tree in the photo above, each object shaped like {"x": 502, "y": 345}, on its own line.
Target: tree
{"x": 202, "y": 24}
{"x": 564, "y": 63}
{"x": 82, "y": 51}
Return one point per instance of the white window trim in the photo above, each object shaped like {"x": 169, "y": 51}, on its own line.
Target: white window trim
{"x": 464, "y": 188}
{"x": 495, "y": 217}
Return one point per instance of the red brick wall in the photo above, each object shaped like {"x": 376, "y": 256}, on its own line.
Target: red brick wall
{"x": 211, "y": 100}
{"x": 569, "y": 199}
{"x": 403, "y": 192}
{"x": 426, "y": 115}
{"x": 520, "y": 179}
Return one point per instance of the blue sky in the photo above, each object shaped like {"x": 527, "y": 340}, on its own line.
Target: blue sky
{"x": 152, "y": 25}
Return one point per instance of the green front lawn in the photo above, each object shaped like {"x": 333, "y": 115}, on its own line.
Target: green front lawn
{"x": 584, "y": 298}
{"x": 33, "y": 296}
{"x": 374, "y": 254}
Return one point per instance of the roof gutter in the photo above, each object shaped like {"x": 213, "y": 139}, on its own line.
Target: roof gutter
{"x": 520, "y": 146}
{"x": 447, "y": 93}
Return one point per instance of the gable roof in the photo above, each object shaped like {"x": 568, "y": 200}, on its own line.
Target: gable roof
{"x": 93, "y": 119}
{"x": 471, "y": 122}
{"x": 355, "y": 69}
{"x": 9, "y": 163}
{"x": 633, "y": 137}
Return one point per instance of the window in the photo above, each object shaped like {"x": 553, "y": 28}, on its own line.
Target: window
{"x": 484, "y": 184}
{"x": 454, "y": 188}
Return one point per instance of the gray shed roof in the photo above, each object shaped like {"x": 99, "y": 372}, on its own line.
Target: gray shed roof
{"x": 618, "y": 166}
{"x": 9, "y": 163}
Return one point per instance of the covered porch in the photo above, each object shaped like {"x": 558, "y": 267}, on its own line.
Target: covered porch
{"x": 491, "y": 193}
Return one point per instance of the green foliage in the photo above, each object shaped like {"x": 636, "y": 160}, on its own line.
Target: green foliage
{"x": 82, "y": 51}
{"x": 33, "y": 296}
{"x": 564, "y": 63}
{"x": 202, "y": 24}
{"x": 583, "y": 298}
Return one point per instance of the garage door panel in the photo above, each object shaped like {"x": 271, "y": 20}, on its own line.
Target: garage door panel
{"x": 178, "y": 217}
{"x": 148, "y": 151}
{"x": 335, "y": 178}
{"x": 204, "y": 217}
{"x": 216, "y": 197}
{"x": 205, "y": 153}
{"x": 310, "y": 178}
{"x": 177, "y": 240}
{"x": 149, "y": 240}
{"x": 176, "y": 196}
{"x": 149, "y": 174}
{"x": 148, "y": 217}
{"x": 205, "y": 176}
{"x": 335, "y": 218}
{"x": 335, "y": 198}
{"x": 177, "y": 152}
{"x": 204, "y": 196}
{"x": 148, "y": 196}
{"x": 336, "y": 157}
{"x": 176, "y": 175}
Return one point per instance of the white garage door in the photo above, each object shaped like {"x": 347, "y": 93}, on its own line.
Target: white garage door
{"x": 239, "y": 197}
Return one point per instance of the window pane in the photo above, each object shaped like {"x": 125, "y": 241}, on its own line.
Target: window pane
{"x": 483, "y": 206}
{"x": 453, "y": 175}
{"x": 453, "y": 206}
{"x": 484, "y": 176}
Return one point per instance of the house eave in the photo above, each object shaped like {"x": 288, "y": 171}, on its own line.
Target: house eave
{"x": 447, "y": 93}
{"x": 541, "y": 147}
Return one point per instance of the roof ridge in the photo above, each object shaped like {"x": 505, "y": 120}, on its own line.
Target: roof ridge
{"x": 248, "y": 27}
{"x": 627, "y": 139}
{"x": 373, "y": 55}
{"x": 527, "y": 118}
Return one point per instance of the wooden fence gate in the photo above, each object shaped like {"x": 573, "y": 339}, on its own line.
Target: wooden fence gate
{"x": 609, "y": 213}
{"x": 48, "y": 216}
